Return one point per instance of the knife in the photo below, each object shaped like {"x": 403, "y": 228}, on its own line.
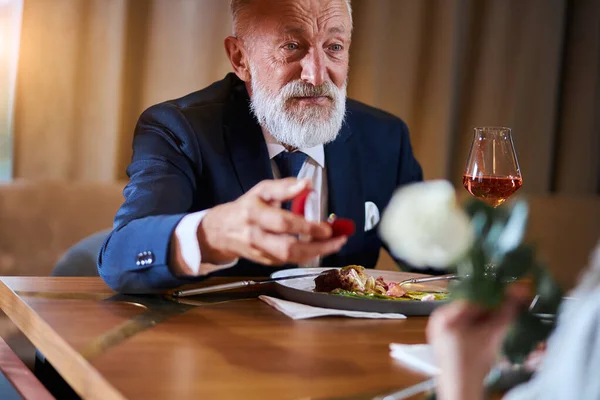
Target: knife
{"x": 237, "y": 285}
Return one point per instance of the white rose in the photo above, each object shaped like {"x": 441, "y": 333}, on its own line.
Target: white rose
{"x": 424, "y": 225}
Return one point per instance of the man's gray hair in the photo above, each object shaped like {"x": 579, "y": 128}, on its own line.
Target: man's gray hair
{"x": 238, "y": 7}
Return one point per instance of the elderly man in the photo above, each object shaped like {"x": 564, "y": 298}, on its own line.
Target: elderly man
{"x": 202, "y": 198}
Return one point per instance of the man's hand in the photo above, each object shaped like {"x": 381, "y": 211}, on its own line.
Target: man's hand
{"x": 256, "y": 228}
{"x": 466, "y": 339}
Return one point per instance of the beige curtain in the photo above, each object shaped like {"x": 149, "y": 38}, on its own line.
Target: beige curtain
{"x": 88, "y": 68}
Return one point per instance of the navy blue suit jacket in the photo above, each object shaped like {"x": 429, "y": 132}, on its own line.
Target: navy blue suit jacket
{"x": 206, "y": 149}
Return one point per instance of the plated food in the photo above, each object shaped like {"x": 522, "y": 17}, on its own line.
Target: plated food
{"x": 302, "y": 290}
{"x": 353, "y": 281}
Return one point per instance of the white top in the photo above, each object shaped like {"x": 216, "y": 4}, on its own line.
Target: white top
{"x": 316, "y": 207}
{"x": 571, "y": 367}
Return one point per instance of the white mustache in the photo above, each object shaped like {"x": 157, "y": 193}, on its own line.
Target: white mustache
{"x": 303, "y": 89}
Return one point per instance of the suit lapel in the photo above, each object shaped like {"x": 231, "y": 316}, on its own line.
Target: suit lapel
{"x": 344, "y": 183}
{"x": 246, "y": 142}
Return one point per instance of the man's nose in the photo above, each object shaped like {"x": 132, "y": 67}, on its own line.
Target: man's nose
{"x": 313, "y": 67}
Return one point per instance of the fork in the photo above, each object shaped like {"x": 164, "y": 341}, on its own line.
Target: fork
{"x": 428, "y": 279}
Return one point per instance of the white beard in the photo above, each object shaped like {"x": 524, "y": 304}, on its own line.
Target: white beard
{"x": 305, "y": 127}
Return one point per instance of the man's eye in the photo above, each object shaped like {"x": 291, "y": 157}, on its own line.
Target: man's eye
{"x": 291, "y": 46}
{"x": 336, "y": 47}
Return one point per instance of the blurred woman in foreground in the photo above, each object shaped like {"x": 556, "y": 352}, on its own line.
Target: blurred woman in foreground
{"x": 466, "y": 339}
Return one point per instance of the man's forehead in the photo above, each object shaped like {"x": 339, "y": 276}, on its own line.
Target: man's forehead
{"x": 292, "y": 29}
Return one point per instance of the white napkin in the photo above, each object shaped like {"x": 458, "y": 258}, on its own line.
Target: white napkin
{"x": 302, "y": 311}
{"x": 417, "y": 357}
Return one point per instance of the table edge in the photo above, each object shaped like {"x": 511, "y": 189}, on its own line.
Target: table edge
{"x": 71, "y": 365}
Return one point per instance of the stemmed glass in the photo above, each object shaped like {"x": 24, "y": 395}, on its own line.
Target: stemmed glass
{"x": 492, "y": 173}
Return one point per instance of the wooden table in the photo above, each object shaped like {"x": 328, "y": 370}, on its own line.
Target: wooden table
{"x": 227, "y": 346}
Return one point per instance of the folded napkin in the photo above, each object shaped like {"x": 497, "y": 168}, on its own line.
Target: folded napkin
{"x": 417, "y": 357}
{"x": 303, "y": 311}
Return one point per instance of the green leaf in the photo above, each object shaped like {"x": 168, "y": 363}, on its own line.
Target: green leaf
{"x": 497, "y": 230}
{"x": 515, "y": 226}
{"x": 482, "y": 216}
{"x": 486, "y": 292}
{"x": 479, "y": 262}
{"x": 525, "y": 334}
{"x": 550, "y": 294}
{"x": 506, "y": 231}
{"x": 480, "y": 225}
{"x": 489, "y": 242}
{"x": 475, "y": 206}
{"x": 517, "y": 263}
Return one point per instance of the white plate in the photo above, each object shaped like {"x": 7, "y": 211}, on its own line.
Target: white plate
{"x": 302, "y": 291}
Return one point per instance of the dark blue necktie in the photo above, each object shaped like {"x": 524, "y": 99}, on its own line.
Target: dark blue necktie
{"x": 289, "y": 165}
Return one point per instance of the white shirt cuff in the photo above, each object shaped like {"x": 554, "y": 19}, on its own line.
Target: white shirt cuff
{"x": 186, "y": 233}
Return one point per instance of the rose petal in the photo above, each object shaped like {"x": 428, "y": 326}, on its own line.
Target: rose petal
{"x": 424, "y": 225}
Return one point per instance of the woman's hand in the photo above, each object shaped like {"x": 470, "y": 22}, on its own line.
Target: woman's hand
{"x": 466, "y": 338}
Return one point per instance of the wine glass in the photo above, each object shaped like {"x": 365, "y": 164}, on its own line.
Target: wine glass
{"x": 492, "y": 173}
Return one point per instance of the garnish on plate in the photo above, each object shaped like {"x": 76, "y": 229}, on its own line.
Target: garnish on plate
{"x": 353, "y": 281}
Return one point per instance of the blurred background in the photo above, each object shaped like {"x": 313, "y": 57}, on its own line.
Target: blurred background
{"x": 87, "y": 69}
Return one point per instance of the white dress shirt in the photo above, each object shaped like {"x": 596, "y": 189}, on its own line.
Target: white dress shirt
{"x": 316, "y": 207}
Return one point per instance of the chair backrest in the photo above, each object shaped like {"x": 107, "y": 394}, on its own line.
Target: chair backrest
{"x": 40, "y": 220}
{"x": 565, "y": 229}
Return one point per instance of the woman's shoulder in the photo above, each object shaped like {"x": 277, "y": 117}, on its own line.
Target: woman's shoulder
{"x": 571, "y": 365}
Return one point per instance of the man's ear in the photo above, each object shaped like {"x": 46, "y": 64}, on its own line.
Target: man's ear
{"x": 238, "y": 57}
